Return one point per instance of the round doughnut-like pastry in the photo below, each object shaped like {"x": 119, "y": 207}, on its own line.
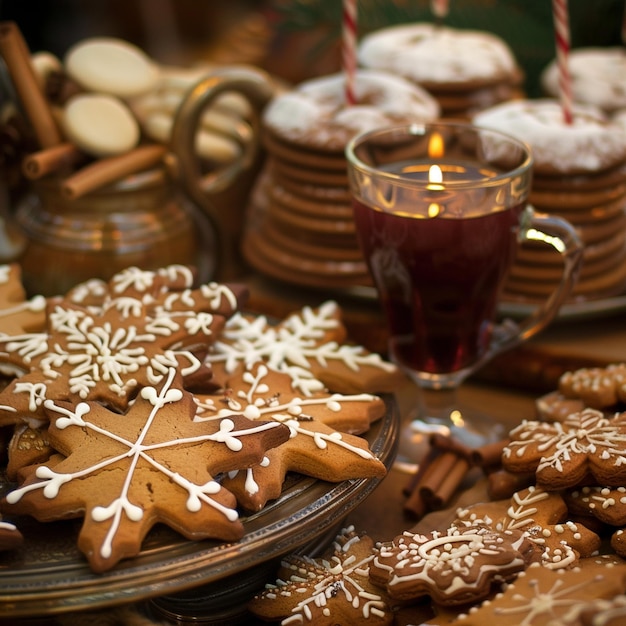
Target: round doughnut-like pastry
{"x": 435, "y": 56}
{"x": 598, "y": 77}
{"x": 112, "y": 66}
{"x": 315, "y": 113}
{"x": 100, "y": 125}
{"x": 590, "y": 144}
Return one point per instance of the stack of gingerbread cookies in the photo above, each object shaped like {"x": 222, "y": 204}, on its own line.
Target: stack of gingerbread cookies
{"x": 300, "y": 227}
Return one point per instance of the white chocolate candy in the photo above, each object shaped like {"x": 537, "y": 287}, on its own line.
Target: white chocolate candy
{"x": 44, "y": 63}
{"x": 208, "y": 145}
{"x": 100, "y": 125}
{"x": 110, "y": 65}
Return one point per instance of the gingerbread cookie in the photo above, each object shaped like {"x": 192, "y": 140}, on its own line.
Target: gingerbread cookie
{"x": 586, "y": 445}
{"x": 597, "y": 387}
{"x": 154, "y": 464}
{"x": 10, "y": 537}
{"x": 543, "y": 517}
{"x": 608, "y": 504}
{"x": 541, "y": 596}
{"x": 27, "y": 446}
{"x": 454, "y": 567}
{"x": 18, "y": 314}
{"x": 333, "y": 589}
{"x": 103, "y": 356}
{"x": 319, "y": 424}
{"x": 309, "y": 345}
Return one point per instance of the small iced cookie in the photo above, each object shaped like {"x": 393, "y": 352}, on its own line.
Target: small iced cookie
{"x": 112, "y": 66}
{"x": 315, "y": 113}
{"x": 590, "y": 144}
{"x": 430, "y": 54}
{"x": 100, "y": 125}
{"x": 18, "y": 314}
{"x": 10, "y": 537}
{"x": 598, "y": 77}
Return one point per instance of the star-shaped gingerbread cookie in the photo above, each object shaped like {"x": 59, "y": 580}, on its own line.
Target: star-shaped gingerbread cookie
{"x": 123, "y": 474}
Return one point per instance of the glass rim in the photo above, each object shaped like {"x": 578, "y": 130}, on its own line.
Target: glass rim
{"x": 419, "y": 129}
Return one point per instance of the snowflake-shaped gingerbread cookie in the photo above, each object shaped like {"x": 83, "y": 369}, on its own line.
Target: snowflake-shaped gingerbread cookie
{"x": 320, "y": 444}
{"x": 334, "y": 589}
{"x": 585, "y": 446}
{"x": 308, "y": 345}
{"x": 104, "y": 356}
{"x": 454, "y": 567}
{"x": 155, "y": 464}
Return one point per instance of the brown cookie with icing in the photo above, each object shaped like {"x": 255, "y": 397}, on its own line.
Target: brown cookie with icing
{"x": 320, "y": 425}
{"x": 310, "y": 345}
{"x": 457, "y": 566}
{"x": 124, "y": 474}
{"x": 543, "y": 517}
{"x": 18, "y": 314}
{"x": 333, "y": 589}
{"x": 585, "y": 447}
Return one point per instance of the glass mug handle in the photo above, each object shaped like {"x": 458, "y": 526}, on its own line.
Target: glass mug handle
{"x": 562, "y": 236}
{"x": 257, "y": 89}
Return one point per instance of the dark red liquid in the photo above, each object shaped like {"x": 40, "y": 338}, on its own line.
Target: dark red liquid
{"x": 438, "y": 280}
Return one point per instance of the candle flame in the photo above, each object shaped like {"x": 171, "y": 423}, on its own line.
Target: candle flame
{"x": 435, "y": 175}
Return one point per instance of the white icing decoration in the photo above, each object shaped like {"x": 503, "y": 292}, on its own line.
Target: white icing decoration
{"x": 52, "y": 481}
{"x": 290, "y": 347}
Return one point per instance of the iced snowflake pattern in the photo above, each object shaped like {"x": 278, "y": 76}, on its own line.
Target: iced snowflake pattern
{"x": 262, "y": 394}
{"x": 329, "y": 590}
{"x": 563, "y": 453}
{"x": 99, "y": 356}
{"x": 300, "y": 346}
{"x": 112, "y": 470}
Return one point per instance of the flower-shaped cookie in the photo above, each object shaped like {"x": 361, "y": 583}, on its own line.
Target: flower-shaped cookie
{"x": 597, "y": 387}
{"x": 334, "y": 589}
{"x": 542, "y": 516}
{"x": 563, "y": 454}
{"x": 455, "y": 567}
{"x": 154, "y": 464}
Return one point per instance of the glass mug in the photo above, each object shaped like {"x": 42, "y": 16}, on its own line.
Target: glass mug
{"x": 439, "y": 211}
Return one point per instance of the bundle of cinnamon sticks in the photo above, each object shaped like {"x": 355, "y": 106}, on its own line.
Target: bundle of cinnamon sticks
{"x": 445, "y": 470}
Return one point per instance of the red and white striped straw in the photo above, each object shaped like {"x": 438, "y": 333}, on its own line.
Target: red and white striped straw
{"x": 349, "y": 48}
{"x": 440, "y": 8}
{"x": 562, "y": 35}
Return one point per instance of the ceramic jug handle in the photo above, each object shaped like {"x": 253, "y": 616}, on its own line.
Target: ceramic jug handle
{"x": 256, "y": 87}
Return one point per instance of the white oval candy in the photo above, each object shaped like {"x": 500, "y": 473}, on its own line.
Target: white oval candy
{"x": 208, "y": 145}
{"x": 110, "y": 65}
{"x": 101, "y": 125}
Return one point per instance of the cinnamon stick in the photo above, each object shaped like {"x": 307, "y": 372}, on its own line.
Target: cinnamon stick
{"x": 112, "y": 169}
{"x": 443, "y": 442}
{"x": 16, "y": 55}
{"x": 440, "y": 497}
{"x": 49, "y": 160}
